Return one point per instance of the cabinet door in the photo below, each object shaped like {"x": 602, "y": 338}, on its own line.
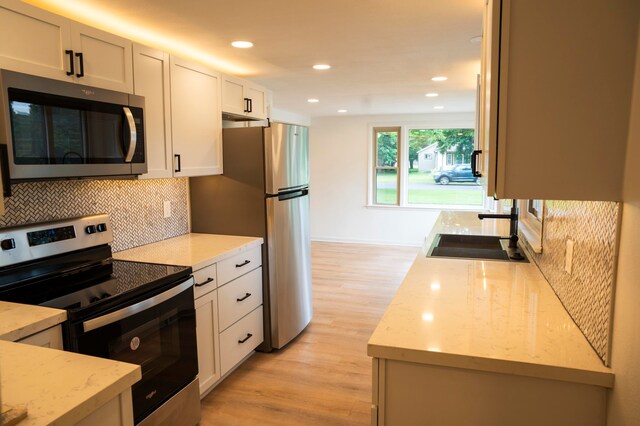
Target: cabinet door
{"x": 239, "y": 340}
{"x": 196, "y": 119}
{"x": 49, "y": 338}
{"x": 233, "y": 97}
{"x": 208, "y": 341}
{"x": 106, "y": 59}
{"x": 561, "y": 132}
{"x": 151, "y": 80}
{"x": 258, "y": 100}
{"x": 34, "y": 41}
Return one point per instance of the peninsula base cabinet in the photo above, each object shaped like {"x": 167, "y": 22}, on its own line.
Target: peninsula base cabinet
{"x": 406, "y": 393}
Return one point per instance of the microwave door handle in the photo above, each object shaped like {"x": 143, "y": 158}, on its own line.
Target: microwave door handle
{"x": 133, "y": 139}
{"x": 123, "y": 313}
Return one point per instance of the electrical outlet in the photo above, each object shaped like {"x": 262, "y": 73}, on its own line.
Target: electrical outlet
{"x": 568, "y": 257}
{"x": 167, "y": 209}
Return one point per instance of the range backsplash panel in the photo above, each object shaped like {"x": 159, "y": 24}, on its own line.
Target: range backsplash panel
{"x": 587, "y": 292}
{"x": 136, "y": 206}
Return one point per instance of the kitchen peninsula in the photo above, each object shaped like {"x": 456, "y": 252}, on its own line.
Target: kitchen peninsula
{"x": 483, "y": 343}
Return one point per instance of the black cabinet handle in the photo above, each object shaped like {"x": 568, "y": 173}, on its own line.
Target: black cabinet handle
{"x": 240, "y": 265}
{"x": 474, "y": 163}
{"x": 249, "y": 336}
{"x": 250, "y": 105}
{"x": 246, "y": 296}
{"x": 246, "y": 104}
{"x": 71, "y": 68}
{"x": 177, "y": 156}
{"x": 80, "y": 56}
{"x": 204, "y": 283}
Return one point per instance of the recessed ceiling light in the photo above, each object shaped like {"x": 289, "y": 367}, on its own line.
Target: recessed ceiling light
{"x": 242, "y": 44}
{"x": 438, "y": 107}
{"x": 342, "y": 110}
{"x": 321, "y": 67}
{"x": 431, "y": 95}
{"x": 440, "y": 78}
{"x": 313, "y": 100}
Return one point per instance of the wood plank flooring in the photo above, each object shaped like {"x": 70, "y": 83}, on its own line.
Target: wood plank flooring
{"x": 323, "y": 377}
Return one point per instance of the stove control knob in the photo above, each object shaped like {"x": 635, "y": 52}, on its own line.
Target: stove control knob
{"x": 91, "y": 229}
{"x": 101, "y": 227}
{"x": 8, "y": 244}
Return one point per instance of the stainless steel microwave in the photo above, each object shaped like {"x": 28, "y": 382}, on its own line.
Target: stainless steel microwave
{"x": 55, "y": 130}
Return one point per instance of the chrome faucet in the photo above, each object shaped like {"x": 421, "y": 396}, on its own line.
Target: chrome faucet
{"x": 513, "y": 226}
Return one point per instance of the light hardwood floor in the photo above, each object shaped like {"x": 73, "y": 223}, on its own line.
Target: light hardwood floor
{"x": 323, "y": 377}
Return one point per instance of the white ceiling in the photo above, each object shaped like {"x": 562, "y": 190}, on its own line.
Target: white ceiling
{"x": 383, "y": 52}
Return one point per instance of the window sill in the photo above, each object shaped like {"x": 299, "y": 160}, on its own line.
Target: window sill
{"x": 434, "y": 207}
{"x": 532, "y": 236}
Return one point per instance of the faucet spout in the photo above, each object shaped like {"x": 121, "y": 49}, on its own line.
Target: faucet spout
{"x": 513, "y": 225}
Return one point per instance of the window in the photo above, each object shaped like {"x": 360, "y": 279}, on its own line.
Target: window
{"x": 431, "y": 169}
{"x": 531, "y": 219}
{"x": 386, "y": 142}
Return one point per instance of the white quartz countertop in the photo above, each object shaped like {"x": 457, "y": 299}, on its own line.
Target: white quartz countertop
{"x": 195, "y": 250}
{"x": 59, "y": 387}
{"x": 492, "y": 316}
{"x": 18, "y": 321}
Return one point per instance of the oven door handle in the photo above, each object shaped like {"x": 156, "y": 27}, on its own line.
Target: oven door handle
{"x": 136, "y": 308}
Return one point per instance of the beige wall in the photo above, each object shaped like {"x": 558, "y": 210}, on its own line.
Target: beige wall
{"x": 339, "y": 152}
{"x": 624, "y": 402}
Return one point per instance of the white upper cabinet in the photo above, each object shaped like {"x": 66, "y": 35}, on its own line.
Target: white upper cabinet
{"x": 196, "y": 119}
{"x": 44, "y": 44}
{"x": 151, "y": 80}
{"x": 556, "y": 95}
{"x": 34, "y": 41}
{"x": 102, "y": 59}
{"x": 243, "y": 98}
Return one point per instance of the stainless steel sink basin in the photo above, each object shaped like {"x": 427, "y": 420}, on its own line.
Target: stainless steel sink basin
{"x": 474, "y": 247}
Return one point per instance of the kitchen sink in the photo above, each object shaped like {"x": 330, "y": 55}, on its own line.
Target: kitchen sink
{"x": 474, "y": 247}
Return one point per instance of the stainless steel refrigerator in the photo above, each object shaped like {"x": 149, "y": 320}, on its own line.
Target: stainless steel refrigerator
{"x": 264, "y": 192}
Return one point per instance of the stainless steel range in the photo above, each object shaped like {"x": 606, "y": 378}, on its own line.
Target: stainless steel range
{"x": 126, "y": 311}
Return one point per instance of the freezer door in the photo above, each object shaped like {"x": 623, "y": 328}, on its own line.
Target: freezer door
{"x": 289, "y": 257}
{"x": 286, "y": 157}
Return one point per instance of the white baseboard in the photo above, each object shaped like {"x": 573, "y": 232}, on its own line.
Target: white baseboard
{"x": 360, "y": 241}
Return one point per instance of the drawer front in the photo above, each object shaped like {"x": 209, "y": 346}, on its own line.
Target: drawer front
{"x": 239, "y": 297}
{"x": 206, "y": 280}
{"x": 240, "y": 339}
{"x": 231, "y": 268}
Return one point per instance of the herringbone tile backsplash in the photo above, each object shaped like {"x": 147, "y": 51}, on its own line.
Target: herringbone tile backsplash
{"x": 135, "y": 206}
{"x": 587, "y": 292}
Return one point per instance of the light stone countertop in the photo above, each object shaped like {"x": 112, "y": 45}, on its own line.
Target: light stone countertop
{"x": 195, "y": 250}
{"x": 18, "y": 321}
{"x": 492, "y": 316}
{"x": 59, "y": 387}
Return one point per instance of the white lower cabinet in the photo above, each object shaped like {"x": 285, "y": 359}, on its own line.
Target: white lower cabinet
{"x": 240, "y": 339}
{"x": 208, "y": 340}
{"x": 49, "y": 338}
{"x": 228, "y": 302}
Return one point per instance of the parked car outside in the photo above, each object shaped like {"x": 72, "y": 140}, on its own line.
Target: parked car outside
{"x": 456, "y": 173}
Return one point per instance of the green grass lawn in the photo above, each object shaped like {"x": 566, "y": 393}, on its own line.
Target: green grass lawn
{"x": 455, "y": 194}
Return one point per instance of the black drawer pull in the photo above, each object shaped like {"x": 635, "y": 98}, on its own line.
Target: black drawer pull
{"x": 205, "y": 283}
{"x": 246, "y": 262}
{"x": 249, "y": 335}
{"x": 246, "y": 296}
{"x": 70, "y": 53}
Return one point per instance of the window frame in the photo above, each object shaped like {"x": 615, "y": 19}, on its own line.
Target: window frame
{"x": 531, "y": 224}
{"x": 403, "y": 164}
{"x": 374, "y": 163}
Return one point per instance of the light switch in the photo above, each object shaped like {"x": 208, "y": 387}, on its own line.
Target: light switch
{"x": 568, "y": 257}
{"x": 167, "y": 209}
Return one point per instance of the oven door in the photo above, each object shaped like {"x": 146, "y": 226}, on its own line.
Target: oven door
{"x": 158, "y": 333}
